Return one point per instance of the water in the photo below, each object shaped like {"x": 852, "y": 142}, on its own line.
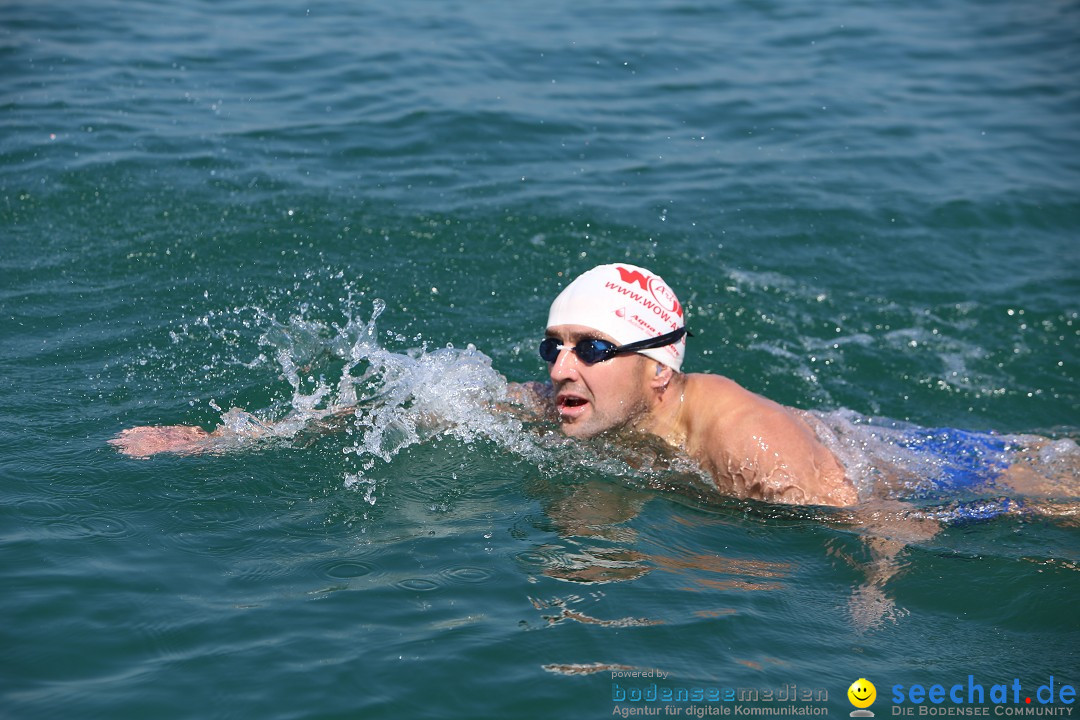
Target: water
{"x": 868, "y": 211}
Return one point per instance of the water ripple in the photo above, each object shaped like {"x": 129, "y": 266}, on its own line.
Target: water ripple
{"x": 418, "y": 585}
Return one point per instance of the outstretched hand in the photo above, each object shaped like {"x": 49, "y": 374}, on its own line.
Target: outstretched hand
{"x": 142, "y": 442}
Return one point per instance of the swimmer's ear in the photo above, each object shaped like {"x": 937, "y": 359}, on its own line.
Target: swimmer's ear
{"x": 663, "y": 376}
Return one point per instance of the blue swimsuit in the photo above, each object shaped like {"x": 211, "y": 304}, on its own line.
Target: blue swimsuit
{"x": 965, "y": 461}
{"x": 951, "y": 474}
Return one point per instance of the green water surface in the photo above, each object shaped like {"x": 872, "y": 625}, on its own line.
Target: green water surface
{"x": 865, "y": 208}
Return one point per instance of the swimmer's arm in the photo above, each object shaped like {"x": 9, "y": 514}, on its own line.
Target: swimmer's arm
{"x": 528, "y": 400}
{"x": 148, "y": 440}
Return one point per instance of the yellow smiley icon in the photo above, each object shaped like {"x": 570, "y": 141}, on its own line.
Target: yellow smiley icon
{"x": 862, "y": 693}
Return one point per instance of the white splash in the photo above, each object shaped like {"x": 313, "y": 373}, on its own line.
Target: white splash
{"x": 342, "y": 378}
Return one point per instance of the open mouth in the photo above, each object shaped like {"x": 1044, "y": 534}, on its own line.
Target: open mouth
{"x": 570, "y": 406}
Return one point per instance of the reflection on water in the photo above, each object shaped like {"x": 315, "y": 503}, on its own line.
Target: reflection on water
{"x": 749, "y": 575}
{"x": 564, "y": 613}
{"x": 588, "y": 668}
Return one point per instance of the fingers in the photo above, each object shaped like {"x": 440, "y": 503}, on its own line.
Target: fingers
{"x": 142, "y": 442}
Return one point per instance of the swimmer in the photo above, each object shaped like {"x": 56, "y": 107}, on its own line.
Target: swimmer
{"x": 614, "y": 346}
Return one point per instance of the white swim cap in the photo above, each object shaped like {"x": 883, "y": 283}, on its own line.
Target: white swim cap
{"x": 628, "y": 303}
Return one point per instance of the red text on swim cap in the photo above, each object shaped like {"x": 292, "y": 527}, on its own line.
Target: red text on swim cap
{"x": 660, "y": 291}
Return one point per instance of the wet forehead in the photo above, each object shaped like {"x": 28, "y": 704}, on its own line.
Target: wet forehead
{"x": 576, "y": 333}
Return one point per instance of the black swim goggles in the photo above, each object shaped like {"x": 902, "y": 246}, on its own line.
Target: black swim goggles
{"x": 593, "y": 350}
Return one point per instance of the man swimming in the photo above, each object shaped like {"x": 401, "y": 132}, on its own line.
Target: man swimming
{"x": 614, "y": 345}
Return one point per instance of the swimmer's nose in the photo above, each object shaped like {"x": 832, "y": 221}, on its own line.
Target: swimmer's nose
{"x": 565, "y": 366}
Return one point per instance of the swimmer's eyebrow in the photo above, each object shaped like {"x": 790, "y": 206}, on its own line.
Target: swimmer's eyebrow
{"x": 575, "y": 338}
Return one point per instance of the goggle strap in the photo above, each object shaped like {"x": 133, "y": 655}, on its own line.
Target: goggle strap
{"x": 656, "y": 342}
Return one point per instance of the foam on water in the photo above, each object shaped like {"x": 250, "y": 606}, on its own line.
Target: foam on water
{"x": 341, "y": 378}
{"x": 340, "y": 374}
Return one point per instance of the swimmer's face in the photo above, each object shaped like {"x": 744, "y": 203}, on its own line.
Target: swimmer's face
{"x": 592, "y": 399}
{"x": 862, "y": 693}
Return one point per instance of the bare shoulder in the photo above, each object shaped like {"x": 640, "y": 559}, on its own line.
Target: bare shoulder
{"x": 717, "y": 391}
{"x": 719, "y": 402}
{"x": 759, "y": 448}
